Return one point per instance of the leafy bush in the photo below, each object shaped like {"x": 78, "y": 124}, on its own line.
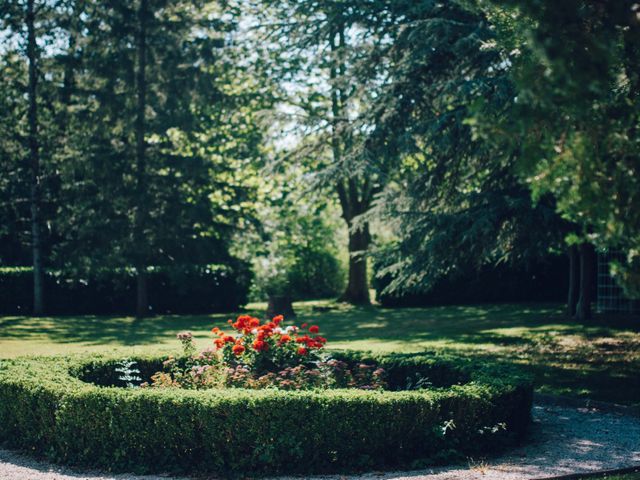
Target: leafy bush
{"x": 47, "y": 408}
{"x": 301, "y": 273}
{"x": 316, "y": 273}
{"x": 198, "y": 289}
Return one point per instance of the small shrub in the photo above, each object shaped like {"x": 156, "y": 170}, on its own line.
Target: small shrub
{"x": 316, "y": 273}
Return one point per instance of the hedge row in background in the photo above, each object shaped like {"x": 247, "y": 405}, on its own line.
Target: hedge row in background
{"x": 199, "y": 289}
{"x": 45, "y": 408}
{"x": 544, "y": 281}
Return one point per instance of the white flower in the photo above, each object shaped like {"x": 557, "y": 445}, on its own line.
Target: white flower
{"x": 254, "y": 331}
{"x": 278, "y": 330}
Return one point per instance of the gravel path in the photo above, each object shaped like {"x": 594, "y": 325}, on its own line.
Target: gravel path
{"x": 563, "y": 440}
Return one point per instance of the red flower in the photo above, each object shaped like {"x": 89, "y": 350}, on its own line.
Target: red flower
{"x": 228, "y": 339}
{"x": 245, "y": 323}
{"x": 304, "y": 325}
{"x": 278, "y": 319}
{"x": 314, "y": 329}
{"x": 285, "y": 338}
{"x": 238, "y": 349}
{"x": 302, "y": 351}
{"x": 259, "y": 346}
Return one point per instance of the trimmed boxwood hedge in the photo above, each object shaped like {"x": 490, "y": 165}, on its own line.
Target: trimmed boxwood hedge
{"x": 47, "y": 408}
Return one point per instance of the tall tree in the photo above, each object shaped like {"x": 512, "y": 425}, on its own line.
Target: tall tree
{"x": 316, "y": 48}
{"x": 27, "y": 26}
{"x": 34, "y": 161}
{"x": 162, "y": 130}
{"x": 457, "y": 205}
{"x": 142, "y": 296}
{"x": 577, "y": 118}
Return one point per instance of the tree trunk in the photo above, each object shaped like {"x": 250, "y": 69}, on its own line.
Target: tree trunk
{"x": 142, "y": 297}
{"x": 587, "y": 270}
{"x": 280, "y": 305}
{"x": 142, "y": 293}
{"x": 354, "y": 193}
{"x": 357, "y": 291}
{"x": 34, "y": 164}
{"x": 574, "y": 276}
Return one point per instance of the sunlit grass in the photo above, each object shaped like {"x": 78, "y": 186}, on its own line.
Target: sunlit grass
{"x": 600, "y": 360}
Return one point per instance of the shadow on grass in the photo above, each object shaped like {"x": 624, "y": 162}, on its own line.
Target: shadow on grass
{"x": 96, "y": 330}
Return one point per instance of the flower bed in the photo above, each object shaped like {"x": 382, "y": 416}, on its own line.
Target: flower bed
{"x": 264, "y": 355}
{"x": 79, "y": 410}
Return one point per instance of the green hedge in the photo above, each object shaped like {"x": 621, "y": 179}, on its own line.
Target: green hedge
{"x": 198, "y": 289}
{"x": 46, "y": 408}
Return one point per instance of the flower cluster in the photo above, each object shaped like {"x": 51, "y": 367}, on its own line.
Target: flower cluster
{"x": 264, "y": 355}
{"x": 331, "y": 374}
{"x": 269, "y": 346}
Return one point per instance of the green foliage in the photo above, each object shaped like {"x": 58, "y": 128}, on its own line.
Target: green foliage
{"x": 453, "y": 204}
{"x": 182, "y": 205}
{"x": 45, "y": 407}
{"x": 540, "y": 281}
{"x": 575, "y": 120}
{"x": 102, "y": 207}
{"x": 293, "y": 248}
{"x": 316, "y": 272}
{"x": 199, "y": 289}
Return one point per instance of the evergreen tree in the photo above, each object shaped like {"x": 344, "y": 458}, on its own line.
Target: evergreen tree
{"x": 30, "y": 32}
{"x": 153, "y": 166}
{"x": 456, "y": 203}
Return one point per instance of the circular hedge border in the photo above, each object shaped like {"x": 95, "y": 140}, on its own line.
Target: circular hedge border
{"x": 47, "y": 408}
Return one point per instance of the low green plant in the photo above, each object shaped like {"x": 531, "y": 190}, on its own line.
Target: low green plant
{"x": 71, "y": 410}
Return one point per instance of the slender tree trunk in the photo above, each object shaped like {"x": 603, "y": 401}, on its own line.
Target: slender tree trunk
{"x": 357, "y": 291}
{"x": 142, "y": 292}
{"x": 574, "y": 277}
{"x": 34, "y": 164}
{"x": 587, "y": 271}
{"x": 142, "y": 297}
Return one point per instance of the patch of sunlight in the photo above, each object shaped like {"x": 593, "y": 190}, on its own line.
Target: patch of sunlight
{"x": 377, "y": 346}
{"x": 372, "y": 325}
{"x": 12, "y": 349}
{"x": 404, "y": 346}
{"x": 527, "y": 331}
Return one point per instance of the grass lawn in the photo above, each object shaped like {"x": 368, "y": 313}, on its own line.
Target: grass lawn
{"x": 599, "y": 360}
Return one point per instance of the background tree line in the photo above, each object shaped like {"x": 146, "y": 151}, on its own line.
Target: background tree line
{"x": 482, "y": 132}
{"x": 441, "y": 138}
